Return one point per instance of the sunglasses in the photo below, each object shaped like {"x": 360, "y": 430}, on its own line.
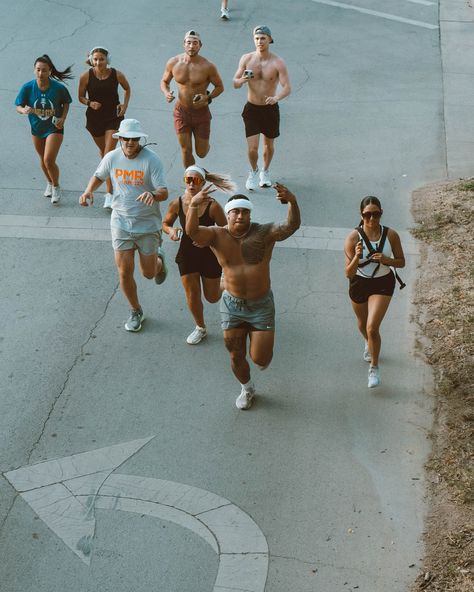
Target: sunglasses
{"x": 193, "y": 180}
{"x": 130, "y": 139}
{"x": 367, "y": 215}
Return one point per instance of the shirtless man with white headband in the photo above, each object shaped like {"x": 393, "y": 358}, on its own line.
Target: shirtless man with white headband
{"x": 192, "y": 117}
{"x": 244, "y": 249}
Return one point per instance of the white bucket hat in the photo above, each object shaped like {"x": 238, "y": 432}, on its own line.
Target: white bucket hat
{"x": 130, "y": 128}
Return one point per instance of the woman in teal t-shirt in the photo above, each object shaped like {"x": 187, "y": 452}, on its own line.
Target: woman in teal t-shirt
{"x": 46, "y": 102}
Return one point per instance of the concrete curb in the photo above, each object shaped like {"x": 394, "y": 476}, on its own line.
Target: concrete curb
{"x": 457, "y": 54}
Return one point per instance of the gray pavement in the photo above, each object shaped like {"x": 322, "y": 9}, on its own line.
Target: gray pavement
{"x": 328, "y": 473}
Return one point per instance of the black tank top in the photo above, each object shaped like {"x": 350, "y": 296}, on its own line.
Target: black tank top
{"x": 105, "y": 92}
{"x": 186, "y": 246}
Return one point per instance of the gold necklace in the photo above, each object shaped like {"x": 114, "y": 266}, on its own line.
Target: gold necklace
{"x": 240, "y": 236}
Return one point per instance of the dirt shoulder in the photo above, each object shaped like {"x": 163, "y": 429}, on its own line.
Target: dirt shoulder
{"x": 444, "y": 302}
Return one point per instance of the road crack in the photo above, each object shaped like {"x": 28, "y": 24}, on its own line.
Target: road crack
{"x": 77, "y": 359}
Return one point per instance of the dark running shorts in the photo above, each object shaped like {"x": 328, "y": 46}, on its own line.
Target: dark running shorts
{"x": 196, "y": 121}
{"x": 261, "y": 119}
{"x": 98, "y": 128}
{"x": 360, "y": 288}
{"x": 258, "y": 314}
{"x": 204, "y": 262}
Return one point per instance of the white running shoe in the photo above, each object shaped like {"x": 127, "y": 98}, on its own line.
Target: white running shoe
{"x": 374, "y": 377}
{"x": 252, "y": 180}
{"x": 245, "y": 399}
{"x": 48, "y": 192}
{"x": 134, "y": 322}
{"x": 56, "y": 195}
{"x": 108, "y": 201}
{"x": 367, "y": 356}
{"x": 225, "y": 14}
{"x": 265, "y": 180}
{"x": 196, "y": 336}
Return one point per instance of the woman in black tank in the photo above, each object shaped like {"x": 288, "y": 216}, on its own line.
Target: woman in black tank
{"x": 98, "y": 89}
{"x": 198, "y": 267}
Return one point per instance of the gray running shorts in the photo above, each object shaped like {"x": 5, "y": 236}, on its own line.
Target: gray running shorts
{"x": 147, "y": 243}
{"x": 258, "y": 314}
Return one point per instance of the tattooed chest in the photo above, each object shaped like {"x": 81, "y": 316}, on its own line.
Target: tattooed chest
{"x": 254, "y": 246}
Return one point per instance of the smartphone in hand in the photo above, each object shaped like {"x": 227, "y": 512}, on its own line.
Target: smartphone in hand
{"x": 276, "y": 185}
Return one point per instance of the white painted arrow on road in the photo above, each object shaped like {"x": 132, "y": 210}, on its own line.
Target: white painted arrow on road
{"x": 65, "y": 492}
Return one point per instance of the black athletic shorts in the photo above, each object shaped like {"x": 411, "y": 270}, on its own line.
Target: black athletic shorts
{"x": 261, "y": 119}
{"x": 360, "y": 288}
{"x": 202, "y": 261}
{"x": 97, "y": 128}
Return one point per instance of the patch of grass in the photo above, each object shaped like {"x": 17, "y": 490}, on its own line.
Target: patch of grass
{"x": 445, "y": 301}
{"x": 465, "y": 186}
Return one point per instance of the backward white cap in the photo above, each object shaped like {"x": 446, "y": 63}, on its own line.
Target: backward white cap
{"x": 193, "y": 34}
{"x": 130, "y": 128}
{"x": 238, "y": 204}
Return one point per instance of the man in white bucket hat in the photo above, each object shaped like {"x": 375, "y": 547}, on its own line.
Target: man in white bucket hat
{"x": 139, "y": 185}
{"x": 244, "y": 249}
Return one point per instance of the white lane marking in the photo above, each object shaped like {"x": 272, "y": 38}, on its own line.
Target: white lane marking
{"x": 69, "y": 467}
{"x": 323, "y": 238}
{"x": 424, "y": 2}
{"x": 384, "y": 15}
{"x": 65, "y": 492}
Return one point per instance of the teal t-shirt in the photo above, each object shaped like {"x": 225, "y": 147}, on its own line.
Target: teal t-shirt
{"x": 45, "y": 104}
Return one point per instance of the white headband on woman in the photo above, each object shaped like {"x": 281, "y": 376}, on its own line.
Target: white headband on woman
{"x": 100, "y": 48}
{"x": 238, "y": 204}
{"x": 196, "y": 169}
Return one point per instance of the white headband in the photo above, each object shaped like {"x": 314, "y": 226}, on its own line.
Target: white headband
{"x": 238, "y": 204}
{"x": 196, "y": 169}
{"x": 100, "y": 49}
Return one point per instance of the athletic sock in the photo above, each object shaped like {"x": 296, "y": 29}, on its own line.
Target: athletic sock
{"x": 248, "y": 386}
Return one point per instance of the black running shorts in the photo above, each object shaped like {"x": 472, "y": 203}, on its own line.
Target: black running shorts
{"x": 261, "y": 119}
{"x": 360, "y": 288}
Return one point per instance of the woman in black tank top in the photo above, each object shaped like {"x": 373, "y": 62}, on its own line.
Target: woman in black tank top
{"x": 98, "y": 89}
{"x": 199, "y": 269}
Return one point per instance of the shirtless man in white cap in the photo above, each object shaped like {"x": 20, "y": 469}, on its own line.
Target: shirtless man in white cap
{"x": 262, "y": 71}
{"x": 244, "y": 249}
{"x": 192, "y": 117}
{"x": 139, "y": 185}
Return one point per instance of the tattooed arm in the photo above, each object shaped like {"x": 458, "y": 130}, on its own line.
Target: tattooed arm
{"x": 282, "y": 231}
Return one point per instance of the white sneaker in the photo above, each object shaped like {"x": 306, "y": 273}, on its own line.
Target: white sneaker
{"x": 48, "y": 192}
{"x": 265, "y": 178}
{"x": 245, "y": 399}
{"x": 108, "y": 201}
{"x": 56, "y": 195}
{"x": 374, "y": 377}
{"x": 367, "y": 356}
{"x": 134, "y": 322}
{"x": 225, "y": 14}
{"x": 252, "y": 180}
{"x": 196, "y": 336}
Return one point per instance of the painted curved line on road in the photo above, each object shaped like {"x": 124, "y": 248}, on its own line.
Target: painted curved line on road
{"x": 65, "y": 492}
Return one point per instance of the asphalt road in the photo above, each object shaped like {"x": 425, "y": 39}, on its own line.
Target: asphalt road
{"x": 328, "y": 475}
